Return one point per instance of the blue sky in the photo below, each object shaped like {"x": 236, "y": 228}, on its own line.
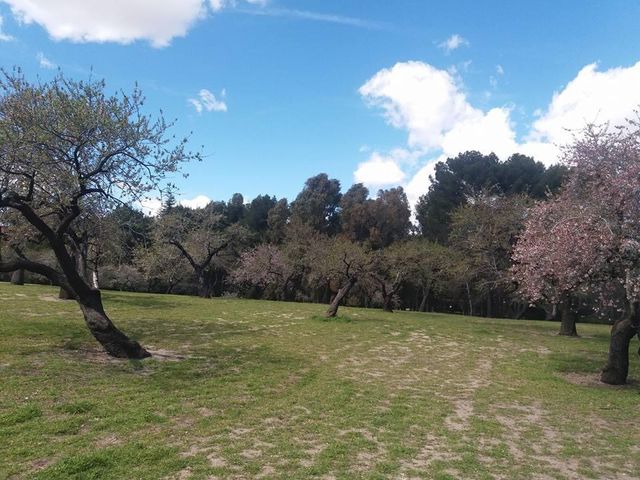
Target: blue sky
{"x": 372, "y": 91}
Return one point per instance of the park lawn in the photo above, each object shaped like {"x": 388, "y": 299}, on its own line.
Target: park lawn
{"x": 256, "y": 389}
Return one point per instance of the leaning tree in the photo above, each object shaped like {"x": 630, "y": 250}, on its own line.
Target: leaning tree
{"x": 66, "y": 146}
{"x": 587, "y": 239}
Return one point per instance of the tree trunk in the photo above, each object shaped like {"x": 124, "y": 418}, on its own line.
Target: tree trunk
{"x": 17, "y": 277}
{"x": 567, "y": 320}
{"x": 204, "y": 285}
{"x": 617, "y": 368}
{"x": 387, "y": 303}
{"x": 95, "y": 279}
{"x": 335, "y": 303}
{"x": 469, "y": 299}
{"x": 116, "y": 343}
{"x": 423, "y": 304}
{"x": 551, "y": 311}
{"x": 63, "y": 294}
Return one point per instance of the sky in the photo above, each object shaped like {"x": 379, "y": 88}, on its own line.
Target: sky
{"x": 275, "y": 91}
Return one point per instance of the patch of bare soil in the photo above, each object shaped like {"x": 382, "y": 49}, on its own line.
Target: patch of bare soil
{"x": 110, "y": 440}
{"x": 50, "y": 298}
{"x": 41, "y": 464}
{"x": 165, "y": 355}
{"x": 593, "y": 380}
{"x": 98, "y": 356}
{"x": 463, "y": 402}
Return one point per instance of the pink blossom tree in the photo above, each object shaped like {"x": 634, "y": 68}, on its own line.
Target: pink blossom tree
{"x": 586, "y": 240}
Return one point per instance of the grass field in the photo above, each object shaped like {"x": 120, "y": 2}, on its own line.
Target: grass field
{"x": 254, "y": 389}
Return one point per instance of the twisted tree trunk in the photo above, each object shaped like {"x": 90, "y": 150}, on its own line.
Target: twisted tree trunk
{"x": 335, "y": 303}
{"x": 617, "y": 368}
{"x": 116, "y": 343}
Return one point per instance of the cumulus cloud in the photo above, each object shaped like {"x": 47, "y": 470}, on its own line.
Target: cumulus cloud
{"x": 207, "y": 101}
{"x": 199, "y": 201}
{"x": 419, "y": 98}
{"x": 454, "y": 42}
{"x": 592, "y": 97}
{"x": 151, "y": 206}
{"x": 432, "y": 106}
{"x": 379, "y": 171}
{"x": 419, "y": 182}
{"x": 3, "y": 36}
{"x": 120, "y": 21}
{"x": 44, "y": 62}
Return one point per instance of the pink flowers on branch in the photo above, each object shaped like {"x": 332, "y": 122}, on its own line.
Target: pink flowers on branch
{"x": 586, "y": 239}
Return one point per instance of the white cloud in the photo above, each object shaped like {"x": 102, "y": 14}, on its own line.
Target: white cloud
{"x": 314, "y": 16}
{"x": 431, "y": 105}
{"x": 150, "y": 206}
{"x": 120, "y": 21}
{"x": 592, "y": 97}
{"x": 199, "y": 201}
{"x": 499, "y": 70}
{"x": 44, "y": 62}
{"x": 484, "y": 132}
{"x": 422, "y": 99}
{"x": 419, "y": 183}
{"x": 3, "y": 36}
{"x": 379, "y": 171}
{"x": 208, "y": 101}
{"x": 453, "y": 42}
{"x": 217, "y": 5}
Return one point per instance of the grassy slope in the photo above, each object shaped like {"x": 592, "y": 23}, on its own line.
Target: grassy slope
{"x": 269, "y": 390}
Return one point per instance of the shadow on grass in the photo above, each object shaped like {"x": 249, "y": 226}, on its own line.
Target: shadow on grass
{"x": 140, "y": 300}
{"x": 336, "y": 319}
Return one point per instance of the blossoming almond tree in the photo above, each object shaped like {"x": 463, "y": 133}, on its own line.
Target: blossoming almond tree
{"x": 587, "y": 239}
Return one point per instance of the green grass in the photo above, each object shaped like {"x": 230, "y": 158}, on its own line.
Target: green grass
{"x": 254, "y": 389}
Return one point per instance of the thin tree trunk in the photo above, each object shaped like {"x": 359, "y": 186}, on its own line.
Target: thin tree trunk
{"x": 423, "y": 304}
{"x": 617, "y": 368}
{"x": 17, "y": 277}
{"x": 469, "y": 299}
{"x": 567, "y": 320}
{"x": 116, "y": 343}
{"x": 335, "y": 303}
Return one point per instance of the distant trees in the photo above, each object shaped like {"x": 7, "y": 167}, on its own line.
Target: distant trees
{"x": 68, "y": 148}
{"x": 266, "y": 266}
{"x": 201, "y": 237}
{"x": 317, "y": 204}
{"x": 483, "y": 232}
{"x": 469, "y": 174}
{"x": 379, "y": 222}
